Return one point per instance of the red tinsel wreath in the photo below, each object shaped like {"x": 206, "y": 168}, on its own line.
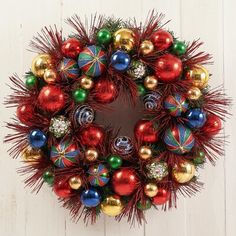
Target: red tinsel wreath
{"x": 91, "y": 168}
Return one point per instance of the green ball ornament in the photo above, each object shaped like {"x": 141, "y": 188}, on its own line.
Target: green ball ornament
{"x": 144, "y": 205}
{"x": 48, "y": 177}
{"x": 80, "y": 95}
{"x": 31, "y": 81}
{"x": 199, "y": 157}
{"x": 179, "y": 47}
{"x": 141, "y": 90}
{"x": 104, "y": 36}
{"x": 114, "y": 161}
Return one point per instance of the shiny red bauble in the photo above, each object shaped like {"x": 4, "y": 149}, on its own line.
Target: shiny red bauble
{"x": 62, "y": 189}
{"x": 146, "y": 131}
{"x": 105, "y": 91}
{"x": 51, "y": 99}
{"x": 162, "y": 40}
{"x": 163, "y": 195}
{"x": 213, "y": 125}
{"x": 168, "y": 68}
{"x": 71, "y": 48}
{"x": 125, "y": 181}
{"x": 92, "y": 136}
{"x": 25, "y": 113}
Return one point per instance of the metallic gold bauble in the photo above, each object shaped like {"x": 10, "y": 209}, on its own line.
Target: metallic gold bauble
{"x": 50, "y": 76}
{"x": 151, "y": 189}
{"x": 199, "y": 76}
{"x": 151, "y": 82}
{"x": 75, "y": 182}
{"x": 91, "y": 154}
{"x": 124, "y": 39}
{"x": 40, "y": 64}
{"x": 183, "y": 172}
{"x": 194, "y": 93}
{"x": 146, "y": 47}
{"x": 112, "y": 205}
{"x": 31, "y": 155}
{"x": 86, "y": 82}
{"x": 145, "y": 152}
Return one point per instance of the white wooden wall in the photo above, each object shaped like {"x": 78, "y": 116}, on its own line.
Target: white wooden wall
{"x": 211, "y": 212}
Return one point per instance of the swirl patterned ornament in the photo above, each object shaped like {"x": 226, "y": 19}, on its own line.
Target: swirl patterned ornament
{"x": 84, "y": 115}
{"x": 150, "y": 100}
{"x": 92, "y": 61}
{"x": 98, "y": 175}
{"x": 64, "y": 154}
{"x": 179, "y": 139}
{"x": 123, "y": 146}
{"x": 68, "y": 69}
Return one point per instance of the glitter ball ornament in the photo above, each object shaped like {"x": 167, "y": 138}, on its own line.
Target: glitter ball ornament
{"x": 68, "y": 69}
{"x": 157, "y": 170}
{"x": 92, "y": 61}
{"x": 179, "y": 139}
{"x": 123, "y": 146}
{"x": 83, "y": 115}
{"x": 59, "y": 126}
{"x": 98, "y": 175}
{"x": 176, "y": 104}
{"x": 151, "y": 100}
{"x": 137, "y": 69}
{"x": 64, "y": 154}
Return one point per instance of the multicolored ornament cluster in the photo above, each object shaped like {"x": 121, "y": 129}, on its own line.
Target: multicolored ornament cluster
{"x": 80, "y": 157}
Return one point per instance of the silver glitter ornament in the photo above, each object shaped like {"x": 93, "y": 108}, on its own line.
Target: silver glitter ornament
{"x": 157, "y": 170}
{"x": 150, "y": 100}
{"x": 59, "y": 126}
{"x": 122, "y": 145}
{"x": 84, "y": 115}
{"x": 137, "y": 70}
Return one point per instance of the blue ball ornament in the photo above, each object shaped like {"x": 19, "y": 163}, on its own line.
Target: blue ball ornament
{"x": 84, "y": 115}
{"x": 120, "y": 60}
{"x": 196, "y": 118}
{"x": 90, "y": 197}
{"x": 37, "y": 138}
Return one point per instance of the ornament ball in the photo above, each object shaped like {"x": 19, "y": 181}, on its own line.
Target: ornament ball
{"x": 114, "y": 161}
{"x": 199, "y": 157}
{"x": 48, "y": 177}
{"x": 51, "y": 99}
{"x": 194, "y": 93}
{"x": 162, "y": 40}
{"x": 50, "y": 76}
{"x": 80, "y": 95}
{"x": 145, "y": 152}
{"x": 213, "y": 125}
{"x": 179, "y": 48}
{"x": 146, "y": 47}
{"x": 151, "y": 189}
{"x": 151, "y": 82}
{"x": 144, "y": 205}
{"x": 90, "y": 197}
{"x": 86, "y": 82}
{"x": 25, "y": 113}
{"x": 112, "y": 205}
{"x": 162, "y": 197}
{"x": 120, "y": 61}
{"x": 62, "y": 189}
{"x": 141, "y": 89}
{"x": 31, "y": 155}
{"x": 104, "y": 36}
{"x": 37, "y": 138}
{"x": 71, "y": 48}
{"x": 91, "y": 154}
{"x": 196, "y": 118}
{"x": 125, "y": 181}
{"x": 75, "y": 182}
{"x": 31, "y": 81}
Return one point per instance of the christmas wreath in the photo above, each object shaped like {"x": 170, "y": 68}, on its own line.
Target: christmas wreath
{"x": 93, "y": 169}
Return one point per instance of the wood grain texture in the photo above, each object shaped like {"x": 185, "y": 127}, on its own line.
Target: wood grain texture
{"x": 211, "y": 212}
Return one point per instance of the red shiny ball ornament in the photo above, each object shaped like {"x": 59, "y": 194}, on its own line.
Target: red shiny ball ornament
{"x": 71, "y": 48}
{"x": 25, "y": 113}
{"x": 145, "y": 131}
{"x": 92, "y": 136}
{"x": 168, "y": 68}
{"x": 163, "y": 195}
{"x": 162, "y": 40}
{"x": 125, "y": 181}
{"x": 105, "y": 91}
{"x": 213, "y": 125}
{"x": 51, "y": 99}
{"x": 62, "y": 189}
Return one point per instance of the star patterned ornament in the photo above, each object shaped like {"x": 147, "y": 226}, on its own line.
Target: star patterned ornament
{"x": 157, "y": 170}
{"x": 59, "y": 126}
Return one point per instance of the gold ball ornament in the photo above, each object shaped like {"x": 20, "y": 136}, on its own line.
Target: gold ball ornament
{"x": 183, "y": 172}
{"x": 112, "y": 205}
{"x": 86, "y": 82}
{"x": 151, "y": 82}
{"x": 194, "y": 93}
{"x": 50, "y": 76}
{"x": 40, "y": 64}
{"x": 75, "y": 182}
{"x": 31, "y": 155}
{"x": 151, "y": 189}
{"x": 199, "y": 76}
{"x": 124, "y": 39}
{"x": 145, "y": 152}
{"x": 91, "y": 154}
{"x": 146, "y": 47}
